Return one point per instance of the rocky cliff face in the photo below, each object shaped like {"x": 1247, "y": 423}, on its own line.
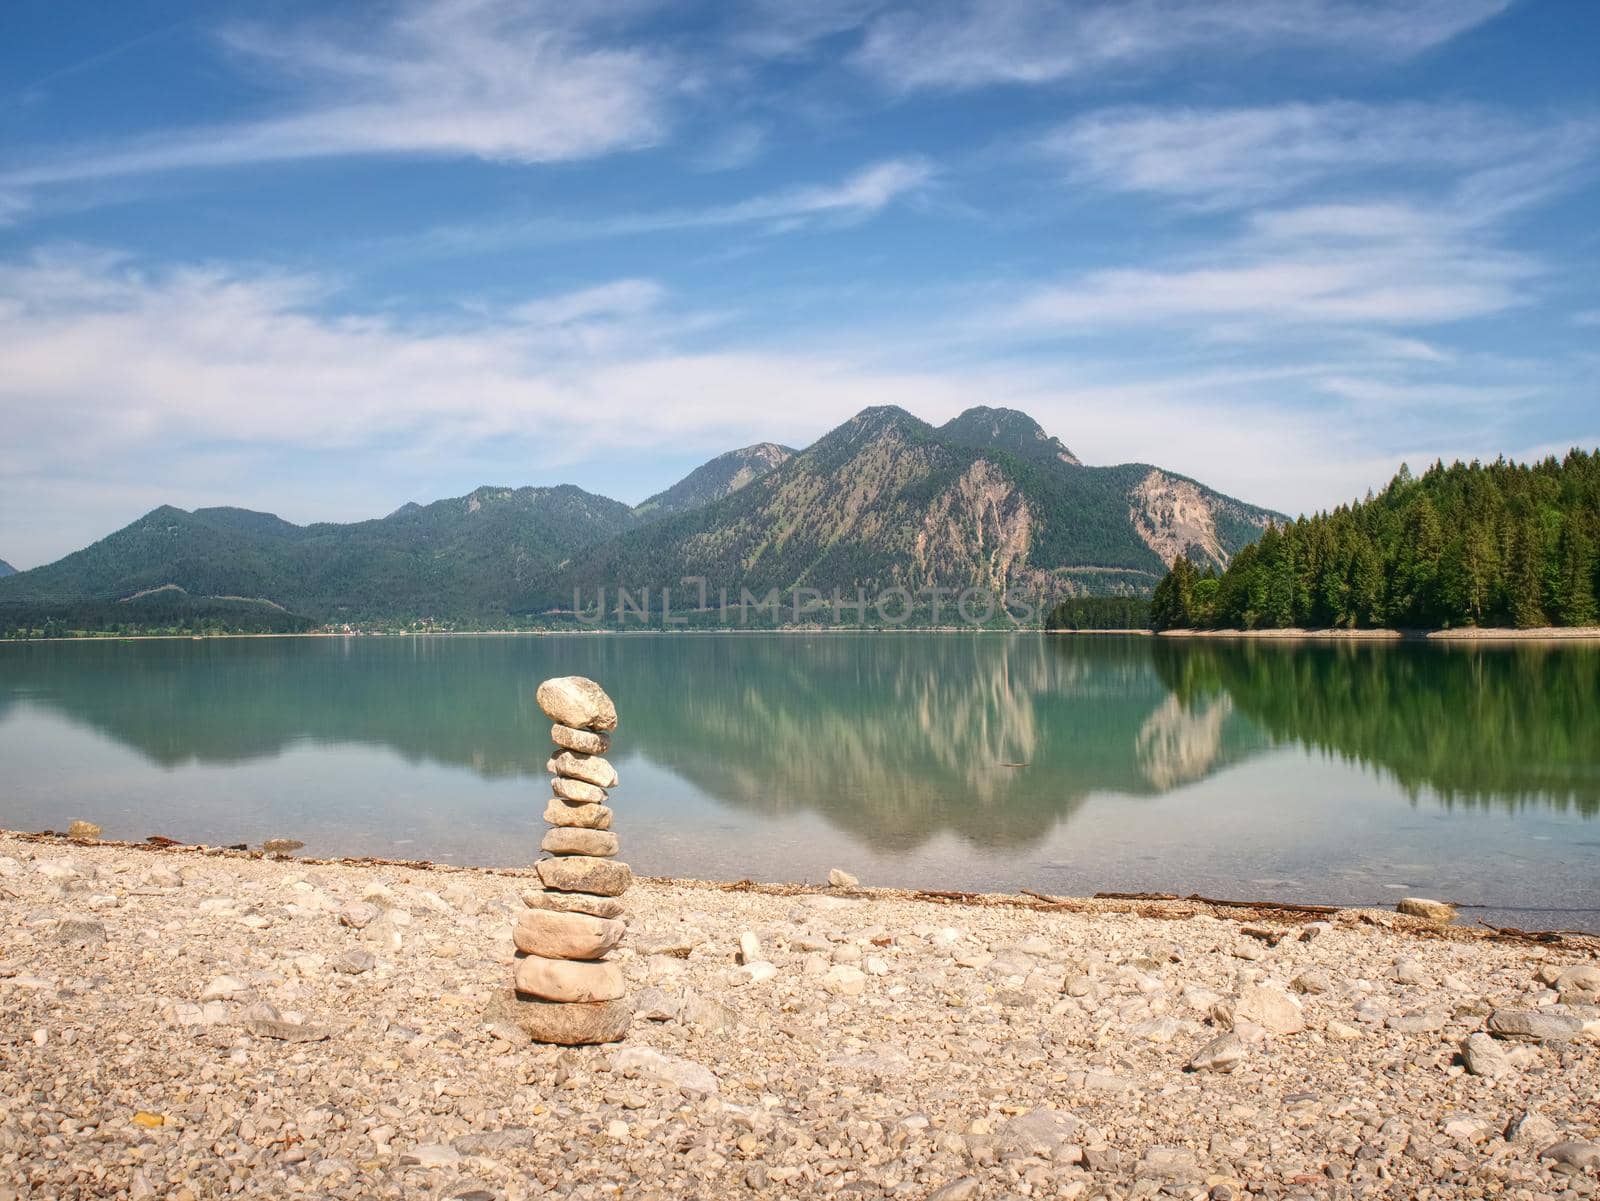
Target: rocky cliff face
{"x": 1174, "y": 516}
{"x": 979, "y": 528}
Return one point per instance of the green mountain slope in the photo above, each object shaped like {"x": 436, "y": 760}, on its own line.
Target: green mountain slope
{"x": 722, "y": 476}
{"x": 1009, "y": 430}
{"x": 468, "y": 555}
{"x": 886, "y": 500}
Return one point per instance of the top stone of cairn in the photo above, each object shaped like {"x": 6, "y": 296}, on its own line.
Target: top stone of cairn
{"x": 577, "y": 702}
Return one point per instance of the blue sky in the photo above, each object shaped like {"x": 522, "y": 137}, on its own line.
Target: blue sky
{"x": 323, "y": 259}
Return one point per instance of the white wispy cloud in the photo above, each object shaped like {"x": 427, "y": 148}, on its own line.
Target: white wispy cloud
{"x": 488, "y": 79}
{"x": 1355, "y": 216}
{"x": 1337, "y": 265}
{"x": 102, "y": 360}
{"x": 620, "y": 298}
{"x": 1238, "y": 156}
{"x": 973, "y": 43}
{"x": 862, "y": 194}
{"x": 784, "y": 29}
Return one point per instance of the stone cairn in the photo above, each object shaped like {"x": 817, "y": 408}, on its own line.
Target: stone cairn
{"x": 566, "y": 990}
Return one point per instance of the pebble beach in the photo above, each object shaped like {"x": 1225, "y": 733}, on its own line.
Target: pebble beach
{"x": 189, "y": 1023}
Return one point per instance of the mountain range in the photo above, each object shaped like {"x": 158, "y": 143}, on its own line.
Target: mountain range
{"x": 6, "y": 569}
{"x": 884, "y": 500}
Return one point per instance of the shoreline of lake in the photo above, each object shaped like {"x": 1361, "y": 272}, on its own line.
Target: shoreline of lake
{"x": 184, "y": 1020}
{"x": 1460, "y": 634}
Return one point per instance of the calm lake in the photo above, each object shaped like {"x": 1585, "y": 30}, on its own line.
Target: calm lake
{"x": 1339, "y": 773}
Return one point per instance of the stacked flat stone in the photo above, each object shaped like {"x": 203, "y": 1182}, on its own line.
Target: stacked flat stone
{"x": 566, "y": 990}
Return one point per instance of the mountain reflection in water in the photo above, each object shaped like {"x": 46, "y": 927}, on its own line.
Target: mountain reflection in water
{"x": 893, "y": 738}
{"x": 1349, "y": 773}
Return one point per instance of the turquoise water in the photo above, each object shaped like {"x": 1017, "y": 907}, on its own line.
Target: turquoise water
{"x": 1341, "y": 773}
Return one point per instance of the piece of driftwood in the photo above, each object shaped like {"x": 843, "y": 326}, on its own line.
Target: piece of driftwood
{"x": 1271, "y": 935}
{"x": 939, "y": 895}
{"x": 1136, "y": 896}
{"x": 1543, "y": 937}
{"x": 1042, "y": 896}
{"x": 1282, "y": 906}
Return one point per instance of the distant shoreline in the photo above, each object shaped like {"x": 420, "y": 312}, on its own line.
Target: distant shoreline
{"x": 1462, "y": 634}
{"x": 787, "y": 630}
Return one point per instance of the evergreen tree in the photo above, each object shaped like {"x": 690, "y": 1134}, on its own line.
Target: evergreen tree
{"x": 1416, "y": 572}
{"x": 1525, "y": 578}
{"x": 1172, "y": 606}
{"x": 1575, "y": 601}
{"x": 1366, "y": 584}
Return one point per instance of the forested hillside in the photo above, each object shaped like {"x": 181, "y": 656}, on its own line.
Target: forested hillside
{"x": 468, "y": 555}
{"x": 722, "y": 476}
{"x": 1500, "y": 544}
{"x": 1100, "y": 613}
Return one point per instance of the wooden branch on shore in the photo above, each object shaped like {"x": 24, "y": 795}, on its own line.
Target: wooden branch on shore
{"x": 1042, "y": 896}
{"x": 1282, "y": 906}
{"x": 939, "y": 895}
{"x": 1542, "y": 937}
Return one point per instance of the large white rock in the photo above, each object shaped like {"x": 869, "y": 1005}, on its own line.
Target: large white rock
{"x": 749, "y": 947}
{"x": 568, "y": 979}
{"x": 566, "y": 935}
{"x": 1270, "y": 1007}
{"x": 577, "y": 702}
{"x": 1584, "y": 977}
{"x": 1534, "y": 1026}
{"x": 1429, "y": 910}
{"x": 845, "y": 981}
{"x": 1483, "y": 1056}
{"x": 592, "y": 769}
{"x": 650, "y": 1064}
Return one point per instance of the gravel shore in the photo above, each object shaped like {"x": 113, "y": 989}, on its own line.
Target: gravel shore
{"x": 184, "y": 1023}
